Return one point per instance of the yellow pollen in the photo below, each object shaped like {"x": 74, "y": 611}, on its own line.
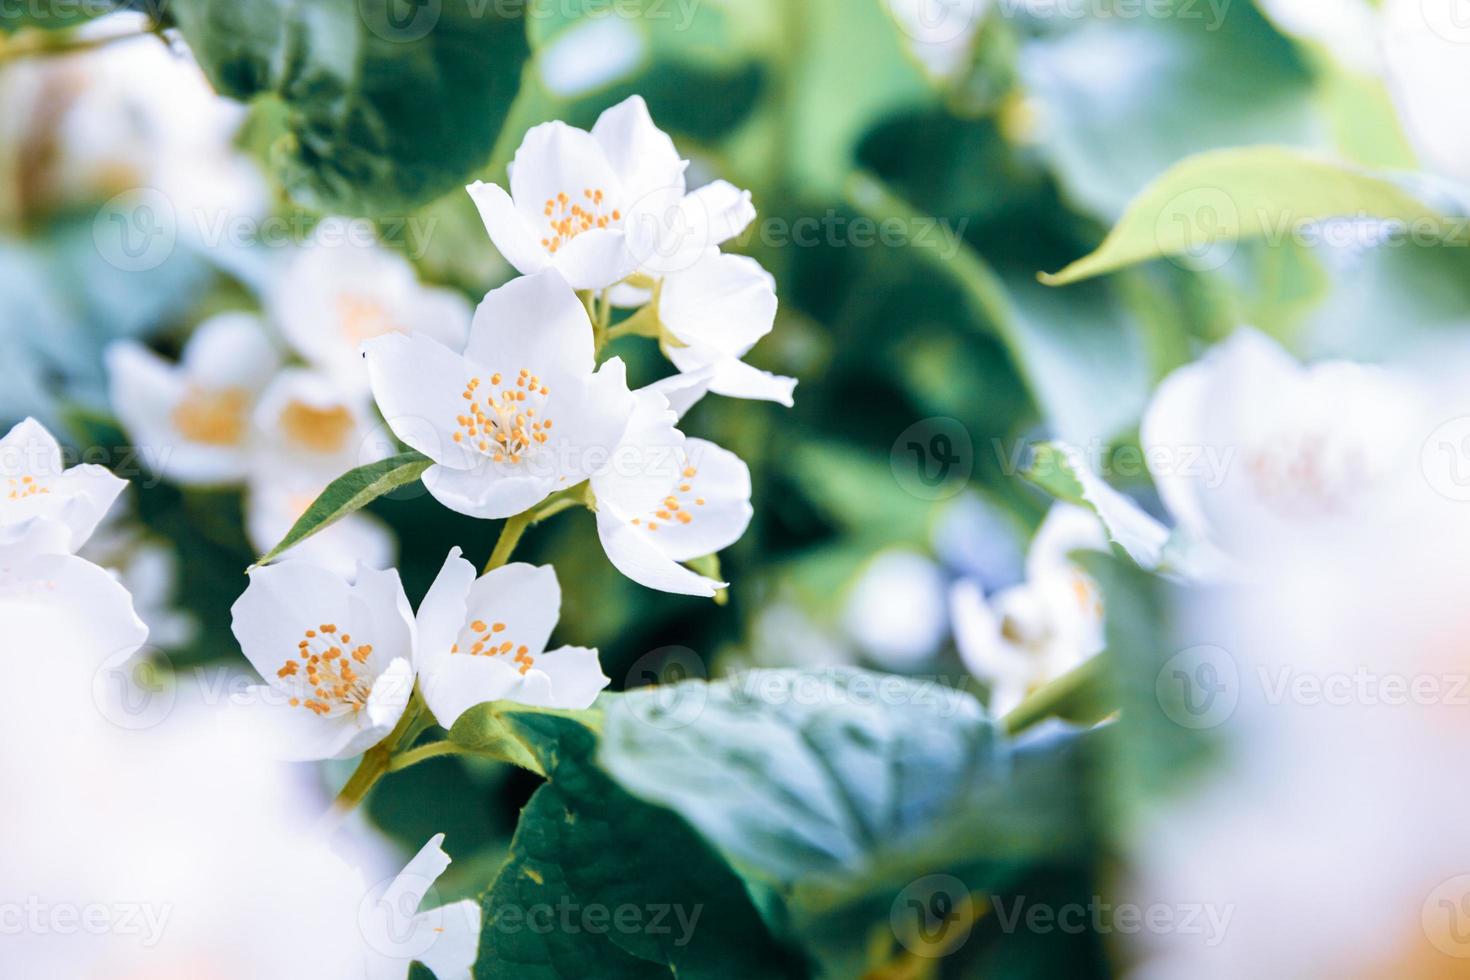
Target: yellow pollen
{"x": 212, "y": 417}
{"x": 322, "y": 430}
{"x": 26, "y": 486}
{"x": 331, "y": 685}
{"x": 362, "y": 319}
{"x": 566, "y": 220}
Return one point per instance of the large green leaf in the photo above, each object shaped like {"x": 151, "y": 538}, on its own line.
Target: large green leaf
{"x": 390, "y": 104}
{"x": 600, "y": 884}
{"x": 1216, "y": 199}
{"x": 489, "y": 730}
{"x": 350, "y": 493}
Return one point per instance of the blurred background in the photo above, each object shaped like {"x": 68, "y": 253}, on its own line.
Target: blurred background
{"x": 915, "y": 165}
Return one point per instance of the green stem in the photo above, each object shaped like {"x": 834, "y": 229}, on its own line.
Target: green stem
{"x": 376, "y": 760}
{"x": 510, "y": 536}
{"x": 1074, "y": 695}
{"x": 413, "y": 757}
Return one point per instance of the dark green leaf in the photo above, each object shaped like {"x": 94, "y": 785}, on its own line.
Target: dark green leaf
{"x": 390, "y": 104}
{"x": 350, "y": 493}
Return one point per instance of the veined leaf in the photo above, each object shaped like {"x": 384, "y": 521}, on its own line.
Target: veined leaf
{"x": 350, "y": 493}
{"x": 490, "y": 730}
{"x": 1208, "y": 202}
{"x": 1062, "y": 471}
{"x": 389, "y": 104}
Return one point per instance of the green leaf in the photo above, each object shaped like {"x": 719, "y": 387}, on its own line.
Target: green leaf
{"x": 600, "y": 884}
{"x": 489, "y": 729}
{"x": 350, "y": 493}
{"x": 1216, "y": 199}
{"x": 389, "y": 104}
{"x": 1062, "y": 471}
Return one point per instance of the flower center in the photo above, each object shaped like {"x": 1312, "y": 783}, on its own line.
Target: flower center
{"x": 214, "y": 418}
{"x": 678, "y": 507}
{"x": 487, "y": 643}
{"x": 506, "y": 424}
{"x": 362, "y": 318}
{"x": 25, "y": 486}
{"x": 568, "y": 219}
{"x": 323, "y": 672}
{"x": 322, "y": 430}
{"x": 1304, "y": 475}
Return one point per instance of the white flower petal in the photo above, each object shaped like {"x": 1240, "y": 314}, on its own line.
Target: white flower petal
{"x": 534, "y": 322}
{"x": 591, "y": 419}
{"x": 485, "y": 492}
{"x": 556, "y": 159}
{"x": 642, "y": 154}
{"x": 568, "y": 678}
{"x": 419, "y": 386}
{"x": 726, "y": 302}
{"x": 509, "y": 229}
{"x": 629, "y": 548}
{"x": 732, "y": 377}
{"x": 596, "y": 259}
{"x": 648, "y": 461}
{"x": 526, "y": 598}
{"x": 231, "y": 350}
{"x": 386, "y": 704}
{"x": 723, "y": 210}
{"x": 33, "y": 485}
{"x": 685, "y": 389}
{"x": 717, "y": 502}
{"x": 291, "y": 734}
{"x": 445, "y": 610}
{"x": 389, "y": 622}
{"x": 459, "y": 682}
{"x": 407, "y": 890}
{"x": 279, "y": 604}
{"x": 455, "y": 933}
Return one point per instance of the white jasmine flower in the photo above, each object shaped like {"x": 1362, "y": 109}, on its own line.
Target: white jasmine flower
{"x": 444, "y": 939}
{"x": 665, "y": 499}
{"x": 1024, "y": 636}
{"x": 192, "y": 420}
{"x": 337, "y": 657}
{"x": 149, "y": 569}
{"x": 712, "y": 314}
{"x": 278, "y": 498}
{"x": 1424, "y": 44}
{"x": 340, "y": 291}
{"x": 599, "y": 206}
{"x": 896, "y": 611}
{"x": 1246, "y": 444}
{"x": 485, "y": 640}
{"x": 309, "y": 423}
{"x": 520, "y": 414}
{"x": 38, "y": 493}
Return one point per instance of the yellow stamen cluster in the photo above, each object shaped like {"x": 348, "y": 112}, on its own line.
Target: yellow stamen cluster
{"x": 505, "y": 425}
{"x": 214, "y": 417}
{"x": 676, "y": 509}
{"x": 25, "y": 486}
{"x": 362, "y": 318}
{"x": 569, "y": 219}
{"x": 320, "y": 430}
{"x": 487, "y": 645}
{"x": 324, "y": 665}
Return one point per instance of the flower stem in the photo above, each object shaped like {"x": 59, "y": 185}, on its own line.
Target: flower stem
{"x": 1075, "y": 693}
{"x": 375, "y": 761}
{"x": 413, "y": 757}
{"x": 510, "y": 536}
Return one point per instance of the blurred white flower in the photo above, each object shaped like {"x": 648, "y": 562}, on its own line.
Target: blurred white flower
{"x": 1349, "y": 29}
{"x": 940, "y": 33}
{"x": 1246, "y": 445}
{"x": 599, "y": 206}
{"x": 445, "y": 939}
{"x": 1424, "y": 46}
{"x": 337, "y": 657}
{"x": 896, "y": 611}
{"x": 339, "y": 291}
{"x": 1025, "y": 636}
{"x": 485, "y": 640}
{"x": 665, "y": 499}
{"x": 516, "y": 417}
{"x": 149, "y": 569}
{"x": 193, "y": 420}
{"x": 39, "y": 495}
{"x": 712, "y": 314}
{"x": 278, "y": 497}
{"x": 309, "y": 423}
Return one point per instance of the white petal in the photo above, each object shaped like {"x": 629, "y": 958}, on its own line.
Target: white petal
{"x": 280, "y": 604}
{"x": 685, "y": 389}
{"x": 386, "y": 704}
{"x": 389, "y": 623}
{"x": 629, "y": 548}
{"x": 485, "y": 492}
{"x": 647, "y": 463}
{"x": 33, "y": 485}
{"x": 642, "y": 154}
{"x": 526, "y": 598}
{"x": 1067, "y": 528}
{"x": 596, "y": 259}
{"x": 509, "y": 230}
{"x": 591, "y": 419}
{"x": 231, "y": 350}
{"x": 725, "y": 209}
{"x": 556, "y": 159}
{"x": 29, "y": 449}
{"x": 722, "y": 482}
{"x": 294, "y": 734}
{"x": 459, "y": 682}
{"x": 406, "y": 892}
{"x": 568, "y": 678}
{"x": 727, "y": 302}
{"x": 455, "y": 933}
{"x": 732, "y": 377}
{"x": 442, "y": 314}
{"x": 419, "y": 386}
{"x": 445, "y": 609}
{"x": 534, "y": 322}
